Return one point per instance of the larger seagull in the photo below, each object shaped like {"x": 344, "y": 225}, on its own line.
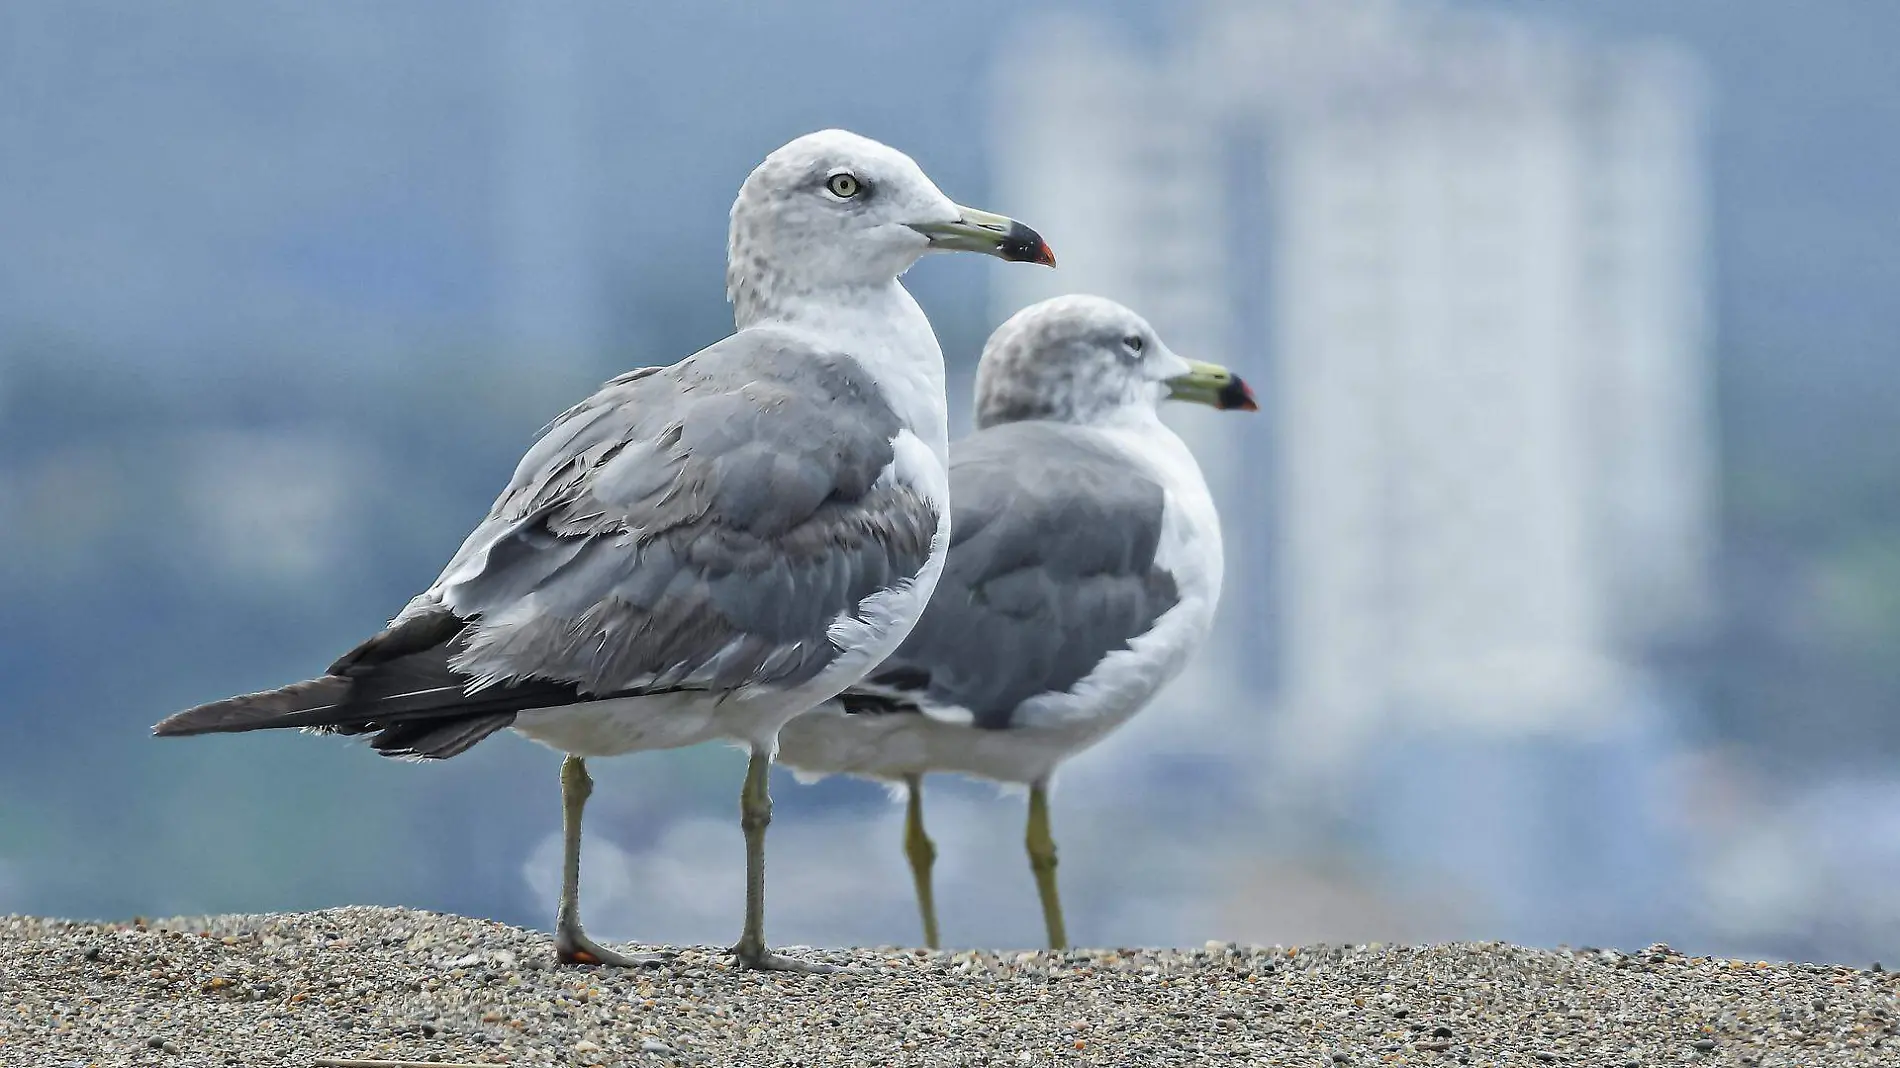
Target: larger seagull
{"x": 705, "y": 550}
{"x": 1084, "y": 570}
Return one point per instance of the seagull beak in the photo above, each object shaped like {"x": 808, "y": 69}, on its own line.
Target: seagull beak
{"x": 1212, "y": 385}
{"x": 994, "y": 235}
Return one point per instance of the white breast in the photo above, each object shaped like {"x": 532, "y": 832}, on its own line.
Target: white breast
{"x": 887, "y": 333}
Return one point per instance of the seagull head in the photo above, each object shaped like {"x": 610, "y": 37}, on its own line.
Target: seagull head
{"x": 833, "y": 209}
{"x": 1084, "y": 359}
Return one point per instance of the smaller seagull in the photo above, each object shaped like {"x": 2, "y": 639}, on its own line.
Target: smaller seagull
{"x": 1084, "y": 567}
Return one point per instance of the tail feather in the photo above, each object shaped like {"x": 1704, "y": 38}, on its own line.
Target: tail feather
{"x": 415, "y": 705}
{"x": 363, "y": 704}
{"x": 398, "y": 686}
{"x": 886, "y": 691}
{"x": 288, "y": 706}
{"x": 872, "y": 703}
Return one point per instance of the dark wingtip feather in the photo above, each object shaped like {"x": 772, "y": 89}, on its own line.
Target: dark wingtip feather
{"x": 420, "y": 632}
{"x": 255, "y": 711}
{"x": 438, "y": 740}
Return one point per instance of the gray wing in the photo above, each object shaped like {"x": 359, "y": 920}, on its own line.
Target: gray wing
{"x": 1051, "y": 568}
{"x": 694, "y": 526}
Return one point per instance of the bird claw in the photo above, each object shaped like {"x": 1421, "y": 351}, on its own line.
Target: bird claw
{"x": 582, "y": 950}
{"x": 765, "y": 960}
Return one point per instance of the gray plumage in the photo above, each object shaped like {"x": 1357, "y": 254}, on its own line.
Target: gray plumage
{"x": 698, "y": 526}
{"x": 1084, "y": 568}
{"x": 701, "y": 551}
{"x": 1051, "y": 568}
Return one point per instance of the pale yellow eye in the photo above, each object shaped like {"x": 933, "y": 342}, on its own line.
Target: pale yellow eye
{"x": 843, "y": 185}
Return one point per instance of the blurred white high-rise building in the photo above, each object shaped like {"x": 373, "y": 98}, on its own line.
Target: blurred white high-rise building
{"x": 1461, "y": 255}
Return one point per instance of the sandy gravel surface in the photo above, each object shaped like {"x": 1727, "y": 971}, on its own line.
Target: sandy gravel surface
{"x": 390, "y": 984}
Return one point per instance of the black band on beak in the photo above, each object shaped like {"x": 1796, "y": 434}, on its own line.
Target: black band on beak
{"x": 1235, "y": 395}
{"x": 989, "y": 233}
{"x": 1023, "y": 245}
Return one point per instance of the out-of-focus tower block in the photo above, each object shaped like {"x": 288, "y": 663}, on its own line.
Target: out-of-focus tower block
{"x": 1463, "y": 254}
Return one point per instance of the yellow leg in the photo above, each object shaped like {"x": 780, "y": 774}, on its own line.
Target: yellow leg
{"x": 1042, "y": 861}
{"x": 922, "y": 853}
{"x": 571, "y": 944}
{"x": 755, "y": 815}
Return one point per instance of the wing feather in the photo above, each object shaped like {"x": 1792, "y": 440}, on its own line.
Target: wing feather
{"x": 1051, "y": 568}
{"x": 697, "y": 526}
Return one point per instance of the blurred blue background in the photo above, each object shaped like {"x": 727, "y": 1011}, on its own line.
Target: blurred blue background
{"x": 1564, "y": 560}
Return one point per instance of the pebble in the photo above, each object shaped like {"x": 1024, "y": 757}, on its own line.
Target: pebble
{"x": 390, "y": 984}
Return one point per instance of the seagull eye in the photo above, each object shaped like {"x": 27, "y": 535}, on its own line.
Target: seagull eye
{"x": 1133, "y": 341}
{"x": 844, "y": 185}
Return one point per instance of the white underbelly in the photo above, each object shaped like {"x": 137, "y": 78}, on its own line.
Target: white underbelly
{"x": 635, "y": 724}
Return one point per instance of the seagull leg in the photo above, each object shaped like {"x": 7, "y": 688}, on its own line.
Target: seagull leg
{"x": 571, "y": 944}
{"x": 922, "y": 853}
{"x": 755, "y": 815}
{"x": 1042, "y": 861}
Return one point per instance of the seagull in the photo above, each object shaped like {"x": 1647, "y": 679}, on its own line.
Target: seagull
{"x": 1085, "y": 563}
{"x": 704, "y": 550}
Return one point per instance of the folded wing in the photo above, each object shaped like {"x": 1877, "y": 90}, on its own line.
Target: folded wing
{"x": 699, "y": 526}
{"x": 1051, "y": 568}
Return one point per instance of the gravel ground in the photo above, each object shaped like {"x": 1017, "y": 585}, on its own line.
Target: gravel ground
{"x": 389, "y": 984}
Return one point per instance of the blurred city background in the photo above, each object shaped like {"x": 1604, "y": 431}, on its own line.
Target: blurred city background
{"x": 1563, "y": 598}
